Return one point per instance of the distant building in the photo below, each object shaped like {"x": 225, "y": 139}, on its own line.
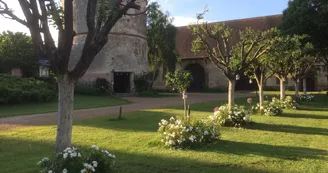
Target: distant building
{"x": 206, "y": 75}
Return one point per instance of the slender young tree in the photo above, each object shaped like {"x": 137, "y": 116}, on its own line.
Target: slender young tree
{"x": 101, "y": 16}
{"x": 180, "y": 81}
{"x": 232, "y": 58}
{"x": 259, "y": 71}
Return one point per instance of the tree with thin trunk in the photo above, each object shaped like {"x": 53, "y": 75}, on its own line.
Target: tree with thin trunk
{"x": 283, "y": 59}
{"x": 303, "y": 66}
{"x": 232, "y": 57}
{"x": 39, "y": 15}
{"x": 180, "y": 81}
{"x": 259, "y": 71}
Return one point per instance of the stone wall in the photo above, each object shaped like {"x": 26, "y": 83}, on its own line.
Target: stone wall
{"x": 214, "y": 78}
{"x": 126, "y": 50}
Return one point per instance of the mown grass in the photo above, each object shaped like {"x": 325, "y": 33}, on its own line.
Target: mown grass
{"x": 297, "y": 141}
{"x": 80, "y": 102}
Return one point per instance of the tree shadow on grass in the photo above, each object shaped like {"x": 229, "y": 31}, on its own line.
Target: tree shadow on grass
{"x": 288, "y": 129}
{"x": 307, "y": 116}
{"x": 144, "y": 121}
{"x": 13, "y": 150}
{"x": 275, "y": 151}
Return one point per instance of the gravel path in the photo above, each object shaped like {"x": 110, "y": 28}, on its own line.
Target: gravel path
{"x": 136, "y": 105}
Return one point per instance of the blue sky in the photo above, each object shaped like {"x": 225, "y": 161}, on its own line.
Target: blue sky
{"x": 184, "y": 11}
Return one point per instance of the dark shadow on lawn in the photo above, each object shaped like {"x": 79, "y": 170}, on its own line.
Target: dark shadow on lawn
{"x": 283, "y": 152}
{"x": 288, "y": 129}
{"x": 145, "y": 121}
{"x": 308, "y": 116}
{"x": 313, "y": 108}
{"x": 125, "y": 162}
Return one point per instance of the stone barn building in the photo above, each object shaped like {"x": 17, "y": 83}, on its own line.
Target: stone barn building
{"x": 206, "y": 75}
{"x": 125, "y": 54}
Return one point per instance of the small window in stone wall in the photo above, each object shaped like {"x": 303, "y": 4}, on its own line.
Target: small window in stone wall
{"x": 278, "y": 81}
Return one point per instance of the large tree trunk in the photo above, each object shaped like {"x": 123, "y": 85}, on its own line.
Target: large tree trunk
{"x": 261, "y": 96}
{"x": 304, "y": 87}
{"x": 282, "y": 89}
{"x": 65, "y": 113}
{"x": 231, "y": 93}
{"x": 297, "y": 88}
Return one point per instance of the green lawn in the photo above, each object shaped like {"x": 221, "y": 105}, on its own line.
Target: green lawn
{"x": 80, "y": 102}
{"x": 297, "y": 141}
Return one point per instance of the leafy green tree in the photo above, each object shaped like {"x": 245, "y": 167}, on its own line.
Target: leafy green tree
{"x": 259, "y": 71}
{"x": 180, "y": 81}
{"x": 303, "y": 67}
{"x": 161, "y": 41}
{"x": 309, "y": 17}
{"x": 286, "y": 58}
{"x": 40, "y": 15}
{"x": 232, "y": 57}
{"x": 16, "y": 50}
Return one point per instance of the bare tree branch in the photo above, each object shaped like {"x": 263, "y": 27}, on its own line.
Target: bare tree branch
{"x": 5, "y": 10}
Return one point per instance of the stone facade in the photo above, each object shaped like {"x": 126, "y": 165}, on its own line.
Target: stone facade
{"x": 126, "y": 50}
{"x": 213, "y": 78}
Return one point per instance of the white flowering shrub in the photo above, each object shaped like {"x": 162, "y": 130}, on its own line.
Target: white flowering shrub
{"x": 306, "y": 98}
{"x": 236, "y": 118}
{"x": 288, "y": 103}
{"x": 184, "y": 134}
{"x": 73, "y": 160}
{"x": 273, "y": 108}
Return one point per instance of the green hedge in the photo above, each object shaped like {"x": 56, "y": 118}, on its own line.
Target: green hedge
{"x": 94, "y": 88}
{"x": 15, "y": 90}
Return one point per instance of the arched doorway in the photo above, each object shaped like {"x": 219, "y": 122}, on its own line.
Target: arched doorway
{"x": 198, "y": 73}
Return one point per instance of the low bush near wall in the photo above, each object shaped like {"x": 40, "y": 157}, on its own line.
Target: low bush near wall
{"x": 94, "y": 88}
{"x": 14, "y": 90}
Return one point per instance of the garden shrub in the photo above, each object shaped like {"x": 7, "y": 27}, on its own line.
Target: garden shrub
{"x": 15, "y": 90}
{"x": 51, "y": 80}
{"x": 184, "y": 133}
{"x": 102, "y": 86}
{"x": 236, "y": 118}
{"x": 93, "y": 88}
{"x": 272, "y": 108}
{"x": 141, "y": 82}
{"x": 289, "y": 103}
{"x": 82, "y": 161}
{"x": 306, "y": 98}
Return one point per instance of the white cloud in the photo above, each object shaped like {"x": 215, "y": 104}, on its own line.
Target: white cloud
{"x": 184, "y": 21}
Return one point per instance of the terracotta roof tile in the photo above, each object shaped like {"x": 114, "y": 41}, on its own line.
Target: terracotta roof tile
{"x": 184, "y": 36}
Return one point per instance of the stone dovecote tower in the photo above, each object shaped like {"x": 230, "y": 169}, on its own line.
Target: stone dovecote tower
{"x": 125, "y": 54}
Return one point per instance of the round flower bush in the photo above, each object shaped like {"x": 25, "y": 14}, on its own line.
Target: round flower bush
{"x": 273, "y": 108}
{"x": 236, "y": 118}
{"x": 73, "y": 160}
{"x": 184, "y": 134}
{"x": 306, "y": 98}
{"x": 288, "y": 103}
